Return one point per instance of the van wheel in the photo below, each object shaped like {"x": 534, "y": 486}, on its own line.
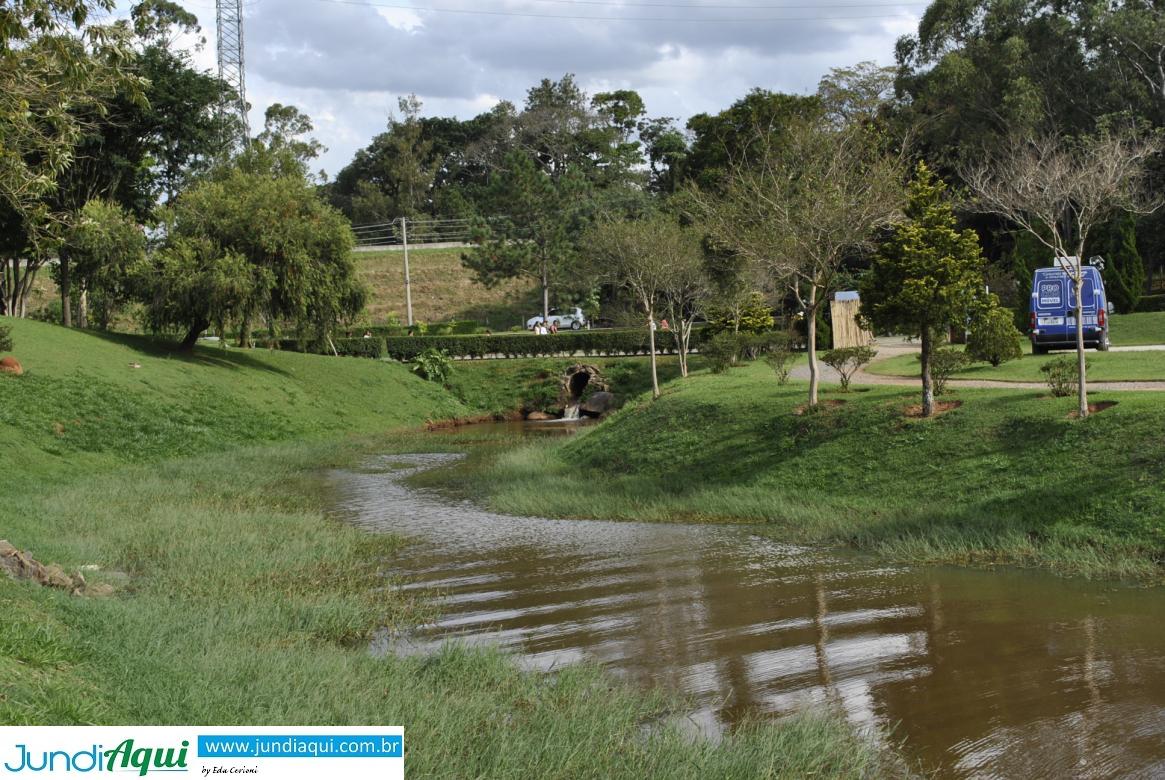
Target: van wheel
{"x": 1102, "y": 345}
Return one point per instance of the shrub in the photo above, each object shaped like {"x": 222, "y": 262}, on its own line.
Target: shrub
{"x": 720, "y": 351}
{"x": 846, "y": 362}
{"x": 1063, "y": 375}
{"x": 943, "y": 363}
{"x": 994, "y": 337}
{"x": 750, "y": 346}
{"x": 781, "y": 360}
{"x": 434, "y": 365}
{"x": 5, "y": 338}
{"x": 1151, "y": 303}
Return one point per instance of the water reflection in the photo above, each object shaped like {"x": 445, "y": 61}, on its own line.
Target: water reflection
{"x": 1005, "y": 674}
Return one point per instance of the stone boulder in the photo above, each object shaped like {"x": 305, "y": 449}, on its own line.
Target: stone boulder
{"x": 11, "y": 365}
{"x": 598, "y": 404}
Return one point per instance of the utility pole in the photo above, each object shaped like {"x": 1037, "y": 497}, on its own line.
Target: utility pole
{"x": 404, "y": 233}
{"x": 231, "y": 65}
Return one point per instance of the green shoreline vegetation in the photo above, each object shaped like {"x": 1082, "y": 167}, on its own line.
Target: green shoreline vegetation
{"x": 238, "y": 600}
{"x": 1005, "y": 478}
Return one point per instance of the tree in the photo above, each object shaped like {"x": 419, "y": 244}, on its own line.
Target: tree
{"x": 798, "y": 209}
{"x": 244, "y": 246}
{"x": 926, "y": 276}
{"x": 536, "y": 236}
{"x": 650, "y": 258}
{"x": 994, "y": 337}
{"x": 106, "y": 244}
{"x": 1059, "y": 190}
{"x": 57, "y": 73}
{"x": 1124, "y": 269}
{"x": 857, "y": 94}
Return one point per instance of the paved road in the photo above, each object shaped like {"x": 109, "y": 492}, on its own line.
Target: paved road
{"x": 892, "y": 347}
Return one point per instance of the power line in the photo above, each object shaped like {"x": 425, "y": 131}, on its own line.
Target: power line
{"x": 566, "y": 17}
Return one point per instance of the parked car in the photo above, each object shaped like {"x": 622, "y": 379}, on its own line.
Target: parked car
{"x": 566, "y": 318}
{"x": 1052, "y": 316}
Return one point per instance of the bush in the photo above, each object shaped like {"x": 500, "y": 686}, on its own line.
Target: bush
{"x": 943, "y": 363}
{"x": 434, "y": 365}
{"x": 1063, "y": 375}
{"x": 5, "y": 338}
{"x": 1151, "y": 303}
{"x": 750, "y": 346}
{"x": 846, "y": 362}
{"x": 780, "y": 359}
{"x": 994, "y": 338}
{"x": 720, "y": 351}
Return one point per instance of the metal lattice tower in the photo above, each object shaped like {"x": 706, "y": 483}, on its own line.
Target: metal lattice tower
{"x": 231, "y": 67}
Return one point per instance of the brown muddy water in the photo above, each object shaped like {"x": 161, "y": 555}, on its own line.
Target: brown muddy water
{"x": 980, "y": 674}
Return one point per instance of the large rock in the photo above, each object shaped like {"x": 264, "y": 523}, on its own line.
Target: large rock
{"x": 598, "y": 404}
{"x": 11, "y": 365}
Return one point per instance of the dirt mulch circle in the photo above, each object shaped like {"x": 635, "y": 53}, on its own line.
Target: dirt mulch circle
{"x": 22, "y": 566}
{"x": 940, "y": 407}
{"x": 822, "y": 405}
{"x": 1093, "y": 408}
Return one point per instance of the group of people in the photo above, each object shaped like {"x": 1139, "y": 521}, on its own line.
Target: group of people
{"x": 542, "y": 328}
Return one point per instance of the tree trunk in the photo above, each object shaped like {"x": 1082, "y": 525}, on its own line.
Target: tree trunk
{"x": 545, "y": 294}
{"x": 192, "y": 335}
{"x": 651, "y": 341}
{"x": 811, "y": 345}
{"x": 682, "y": 329}
{"x": 83, "y": 309}
{"x": 66, "y": 289}
{"x": 1081, "y": 369}
{"x": 927, "y": 382}
{"x": 245, "y": 332}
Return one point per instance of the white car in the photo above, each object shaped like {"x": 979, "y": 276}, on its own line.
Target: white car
{"x": 568, "y": 318}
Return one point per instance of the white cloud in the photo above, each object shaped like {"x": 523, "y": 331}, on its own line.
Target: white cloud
{"x": 345, "y": 64}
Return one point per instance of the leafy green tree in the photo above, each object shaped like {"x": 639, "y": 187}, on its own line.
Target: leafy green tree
{"x": 536, "y": 236}
{"x": 106, "y": 243}
{"x": 926, "y": 276}
{"x": 994, "y": 337}
{"x": 1124, "y": 269}
{"x": 245, "y": 246}
{"x": 5, "y": 338}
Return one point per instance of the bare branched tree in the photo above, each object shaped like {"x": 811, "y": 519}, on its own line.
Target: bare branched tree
{"x": 1059, "y": 190}
{"x": 659, "y": 263}
{"x": 800, "y": 206}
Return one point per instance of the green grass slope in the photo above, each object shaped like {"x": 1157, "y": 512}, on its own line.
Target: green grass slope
{"x": 1007, "y": 477}
{"x": 1128, "y": 330}
{"x": 104, "y": 399}
{"x": 194, "y": 486}
{"x": 443, "y": 290}
{"x": 1102, "y": 367}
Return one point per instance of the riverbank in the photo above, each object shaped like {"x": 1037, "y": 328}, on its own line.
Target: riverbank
{"x": 236, "y": 599}
{"x": 1005, "y": 478}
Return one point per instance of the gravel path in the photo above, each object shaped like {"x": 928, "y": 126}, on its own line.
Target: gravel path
{"x": 888, "y": 348}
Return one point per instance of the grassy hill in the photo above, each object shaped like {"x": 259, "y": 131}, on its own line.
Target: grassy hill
{"x": 442, "y": 290}
{"x": 1005, "y": 478}
{"x": 196, "y": 487}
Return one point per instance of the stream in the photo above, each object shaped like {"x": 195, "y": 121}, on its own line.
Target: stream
{"x": 978, "y": 673}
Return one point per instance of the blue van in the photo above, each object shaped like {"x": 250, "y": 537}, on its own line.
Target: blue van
{"x": 1052, "y": 322}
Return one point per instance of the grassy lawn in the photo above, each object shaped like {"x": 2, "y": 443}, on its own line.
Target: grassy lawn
{"x": 443, "y": 290}
{"x": 194, "y": 485}
{"x": 1102, "y": 367}
{"x": 1006, "y": 478}
{"x": 1127, "y": 330}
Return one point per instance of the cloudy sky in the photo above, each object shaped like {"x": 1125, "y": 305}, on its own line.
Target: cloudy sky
{"x": 345, "y": 62}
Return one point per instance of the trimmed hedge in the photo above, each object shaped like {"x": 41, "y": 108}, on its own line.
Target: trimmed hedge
{"x": 587, "y": 342}
{"x": 353, "y": 347}
{"x": 1151, "y": 303}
